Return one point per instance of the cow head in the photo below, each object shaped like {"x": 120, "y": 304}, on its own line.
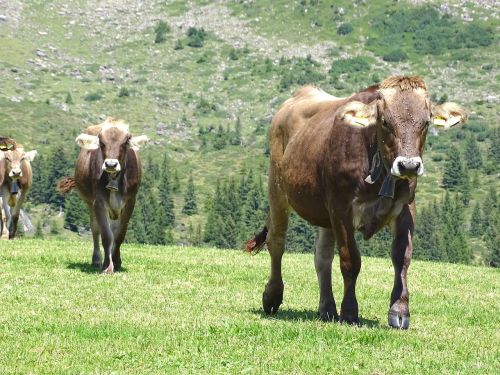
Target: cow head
{"x": 14, "y": 160}
{"x": 113, "y": 142}
{"x": 402, "y": 114}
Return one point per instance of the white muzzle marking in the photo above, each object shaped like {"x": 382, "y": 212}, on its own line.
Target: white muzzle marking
{"x": 409, "y": 164}
{"x": 15, "y": 173}
{"x": 111, "y": 166}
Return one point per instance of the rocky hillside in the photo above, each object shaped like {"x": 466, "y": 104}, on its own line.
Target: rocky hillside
{"x": 215, "y": 64}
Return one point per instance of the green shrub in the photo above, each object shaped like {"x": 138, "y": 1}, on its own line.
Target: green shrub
{"x": 344, "y": 29}
{"x": 124, "y": 92}
{"x": 350, "y": 65}
{"x": 178, "y": 45}
{"x": 395, "y": 56}
{"x": 160, "y": 30}
{"x": 299, "y": 71}
{"x": 93, "y": 97}
{"x": 196, "y": 37}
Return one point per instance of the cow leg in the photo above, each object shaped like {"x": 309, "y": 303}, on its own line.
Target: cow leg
{"x": 106, "y": 236}
{"x": 94, "y": 226}
{"x": 6, "y": 210}
{"x": 278, "y": 224}
{"x": 1, "y": 217}
{"x": 323, "y": 257}
{"x": 402, "y": 249}
{"x": 14, "y": 217}
{"x": 350, "y": 265}
{"x": 121, "y": 231}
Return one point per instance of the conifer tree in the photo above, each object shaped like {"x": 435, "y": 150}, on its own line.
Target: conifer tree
{"x": 190, "y": 205}
{"x": 236, "y": 138}
{"x": 453, "y": 176}
{"x": 476, "y": 221}
{"x": 166, "y": 200}
{"x": 300, "y": 235}
{"x": 75, "y": 213}
{"x": 472, "y": 156}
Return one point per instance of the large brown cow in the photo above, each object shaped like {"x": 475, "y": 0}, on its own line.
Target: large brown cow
{"x": 107, "y": 177}
{"x": 347, "y": 164}
{"x": 15, "y": 181}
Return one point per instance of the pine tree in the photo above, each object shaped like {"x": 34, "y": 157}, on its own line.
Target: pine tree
{"x": 453, "y": 176}
{"x": 465, "y": 187}
{"x": 427, "y": 240}
{"x": 476, "y": 222}
{"x": 236, "y": 139}
{"x": 166, "y": 200}
{"x": 457, "y": 248}
{"x": 472, "y": 156}
{"x": 190, "y": 206}
{"x": 301, "y": 235}
{"x": 75, "y": 213}
{"x": 57, "y": 167}
{"x": 493, "y": 240}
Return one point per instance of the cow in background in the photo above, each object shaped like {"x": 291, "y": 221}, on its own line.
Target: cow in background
{"x": 15, "y": 181}
{"x": 347, "y": 164}
{"x": 107, "y": 177}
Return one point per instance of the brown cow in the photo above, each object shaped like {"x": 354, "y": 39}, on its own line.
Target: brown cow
{"x": 107, "y": 177}
{"x": 344, "y": 165}
{"x": 15, "y": 181}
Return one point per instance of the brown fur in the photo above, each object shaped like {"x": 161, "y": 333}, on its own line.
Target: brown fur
{"x": 13, "y": 159}
{"x": 318, "y": 166}
{"x": 103, "y": 205}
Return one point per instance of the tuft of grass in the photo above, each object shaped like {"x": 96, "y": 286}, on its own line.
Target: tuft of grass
{"x": 192, "y": 310}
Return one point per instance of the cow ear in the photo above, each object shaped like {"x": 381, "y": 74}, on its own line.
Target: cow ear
{"x": 448, "y": 115}
{"x": 87, "y": 141}
{"x": 358, "y": 114}
{"x": 31, "y": 155}
{"x": 135, "y": 142}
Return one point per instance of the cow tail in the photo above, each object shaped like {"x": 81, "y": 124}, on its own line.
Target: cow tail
{"x": 257, "y": 242}
{"x": 65, "y": 185}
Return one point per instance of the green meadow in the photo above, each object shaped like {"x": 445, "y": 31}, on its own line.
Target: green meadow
{"x": 198, "y": 310}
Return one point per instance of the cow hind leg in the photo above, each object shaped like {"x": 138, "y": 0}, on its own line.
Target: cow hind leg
{"x": 323, "y": 257}
{"x": 278, "y": 224}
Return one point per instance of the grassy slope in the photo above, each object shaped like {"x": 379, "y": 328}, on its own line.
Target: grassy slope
{"x": 192, "y": 310}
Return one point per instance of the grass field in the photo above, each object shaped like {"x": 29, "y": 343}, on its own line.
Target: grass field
{"x": 190, "y": 310}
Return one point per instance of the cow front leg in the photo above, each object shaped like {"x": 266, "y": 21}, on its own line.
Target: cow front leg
{"x": 120, "y": 231}
{"x": 15, "y": 212}
{"x": 323, "y": 257}
{"x": 402, "y": 249}
{"x": 106, "y": 236}
{"x": 350, "y": 265}
{"x": 96, "y": 252}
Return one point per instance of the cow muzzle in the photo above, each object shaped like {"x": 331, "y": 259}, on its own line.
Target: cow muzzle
{"x": 407, "y": 167}
{"x": 15, "y": 173}
{"x": 111, "y": 166}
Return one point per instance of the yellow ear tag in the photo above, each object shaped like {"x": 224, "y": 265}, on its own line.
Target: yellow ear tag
{"x": 439, "y": 121}
{"x": 362, "y": 121}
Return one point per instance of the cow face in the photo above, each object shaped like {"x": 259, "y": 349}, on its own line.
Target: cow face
{"x": 113, "y": 142}
{"x": 402, "y": 115}
{"x": 14, "y": 160}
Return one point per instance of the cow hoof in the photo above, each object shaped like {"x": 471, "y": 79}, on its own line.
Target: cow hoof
{"x": 399, "y": 321}
{"x": 272, "y": 298}
{"x": 108, "y": 270}
{"x": 354, "y": 320}
{"x": 328, "y": 312}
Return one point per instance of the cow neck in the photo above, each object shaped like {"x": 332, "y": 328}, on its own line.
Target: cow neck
{"x": 113, "y": 182}
{"x": 378, "y": 169}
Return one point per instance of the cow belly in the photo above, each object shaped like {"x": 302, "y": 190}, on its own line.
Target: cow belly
{"x": 310, "y": 208}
